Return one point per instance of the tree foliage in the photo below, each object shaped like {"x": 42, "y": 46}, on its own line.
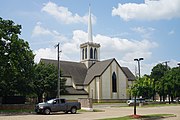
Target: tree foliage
{"x": 143, "y": 87}
{"x": 45, "y": 81}
{"x": 166, "y": 81}
{"x": 16, "y": 61}
{"x": 157, "y": 74}
{"x": 158, "y": 71}
{"x": 18, "y": 73}
{"x": 172, "y": 83}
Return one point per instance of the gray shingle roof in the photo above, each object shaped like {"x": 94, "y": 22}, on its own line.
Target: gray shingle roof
{"x": 83, "y": 76}
{"x": 76, "y": 70}
{"x": 96, "y": 70}
{"x": 99, "y": 67}
{"x": 72, "y": 91}
{"x": 128, "y": 74}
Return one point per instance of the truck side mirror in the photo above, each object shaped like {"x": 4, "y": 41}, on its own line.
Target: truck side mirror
{"x": 54, "y": 102}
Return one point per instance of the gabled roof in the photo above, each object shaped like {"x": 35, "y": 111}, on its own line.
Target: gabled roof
{"x": 75, "y": 70}
{"x": 96, "y": 70}
{"x": 72, "y": 91}
{"x": 128, "y": 74}
{"x": 83, "y": 76}
{"x": 99, "y": 67}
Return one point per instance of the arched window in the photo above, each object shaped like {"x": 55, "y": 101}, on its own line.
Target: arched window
{"x": 95, "y": 53}
{"x": 85, "y": 53}
{"x": 91, "y": 53}
{"x": 114, "y": 82}
{"x": 82, "y": 54}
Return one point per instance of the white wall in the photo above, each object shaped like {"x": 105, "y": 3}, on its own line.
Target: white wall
{"x": 122, "y": 85}
{"x": 68, "y": 81}
{"x": 97, "y": 88}
{"x": 107, "y": 83}
{"x": 106, "y": 94}
{"x": 92, "y": 89}
{"x": 101, "y": 87}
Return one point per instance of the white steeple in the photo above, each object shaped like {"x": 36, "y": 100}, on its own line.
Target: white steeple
{"x": 90, "y": 51}
{"x": 90, "y": 38}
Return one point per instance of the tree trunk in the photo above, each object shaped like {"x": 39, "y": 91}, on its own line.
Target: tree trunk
{"x": 172, "y": 98}
{"x": 154, "y": 91}
{"x": 39, "y": 98}
{"x": 169, "y": 99}
{"x": 163, "y": 98}
{"x": 160, "y": 98}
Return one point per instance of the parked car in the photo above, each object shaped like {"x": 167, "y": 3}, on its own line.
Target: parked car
{"x": 138, "y": 100}
{"x": 57, "y": 105}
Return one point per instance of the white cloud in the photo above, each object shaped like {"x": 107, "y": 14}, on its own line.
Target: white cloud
{"x": 145, "y": 32}
{"x": 111, "y": 47}
{"x": 150, "y": 10}
{"x": 48, "y": 53}
{"x": 127, "y": 49}
{"x": 38, "y": 30}
{"x": 70, "y": 49}
{"x": 44, "y": 53}
{"x": 42, "y": 35}
{"x": 142, "y": 30}
{"x": 173, "y": 63}
{"x": 63, "y": 14}
{"x": 144, "y": 67}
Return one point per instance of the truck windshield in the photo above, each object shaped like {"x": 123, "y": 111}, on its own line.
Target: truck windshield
{"x": 50, "y": 101}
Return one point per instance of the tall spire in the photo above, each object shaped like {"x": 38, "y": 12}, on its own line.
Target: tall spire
{"x": 90, "y": 38}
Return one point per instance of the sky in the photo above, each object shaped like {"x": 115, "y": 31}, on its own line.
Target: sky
{"x": 126, "y": 29}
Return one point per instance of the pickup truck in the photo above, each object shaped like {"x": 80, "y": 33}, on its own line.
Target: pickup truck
{"x": 57, "y": 105}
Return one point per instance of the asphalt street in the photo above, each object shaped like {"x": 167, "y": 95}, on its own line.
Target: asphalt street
{"x": 108, "y": 111}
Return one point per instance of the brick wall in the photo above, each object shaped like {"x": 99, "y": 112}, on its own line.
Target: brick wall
{"x": 85, "y": 102}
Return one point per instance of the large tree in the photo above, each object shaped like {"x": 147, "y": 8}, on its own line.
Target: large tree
{"x": 143, "y": 87}
{"x": 45, "y": 82}
{"x": 16, "y": 61}
{"x": 157, "y": 74}
{"x": 172, "y": 83}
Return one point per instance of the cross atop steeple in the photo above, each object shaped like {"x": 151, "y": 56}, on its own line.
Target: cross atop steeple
{"x": 90, "y": 38}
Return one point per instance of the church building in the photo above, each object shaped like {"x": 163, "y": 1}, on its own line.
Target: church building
{"x": 102, "y": 81}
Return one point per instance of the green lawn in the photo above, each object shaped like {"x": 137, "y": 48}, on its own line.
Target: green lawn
{"x": 158, "y": 105}
{"x": 143, "y": 117}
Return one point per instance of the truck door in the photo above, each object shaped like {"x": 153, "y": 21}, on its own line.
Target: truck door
{"x": 62, "y": 105}
{"x": 55, "y": 107}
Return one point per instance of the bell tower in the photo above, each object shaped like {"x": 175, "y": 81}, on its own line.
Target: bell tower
{"x": 90, "y": 51}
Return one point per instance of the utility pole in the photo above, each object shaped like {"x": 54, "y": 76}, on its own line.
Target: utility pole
{"x": 58, "y": 51}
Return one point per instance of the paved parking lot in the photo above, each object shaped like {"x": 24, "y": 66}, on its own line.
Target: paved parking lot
{"x": 109, "y": 112}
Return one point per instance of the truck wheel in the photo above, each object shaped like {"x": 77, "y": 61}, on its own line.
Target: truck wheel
{"x": 47, "y": 111}
{"x": 73, "y": 110}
